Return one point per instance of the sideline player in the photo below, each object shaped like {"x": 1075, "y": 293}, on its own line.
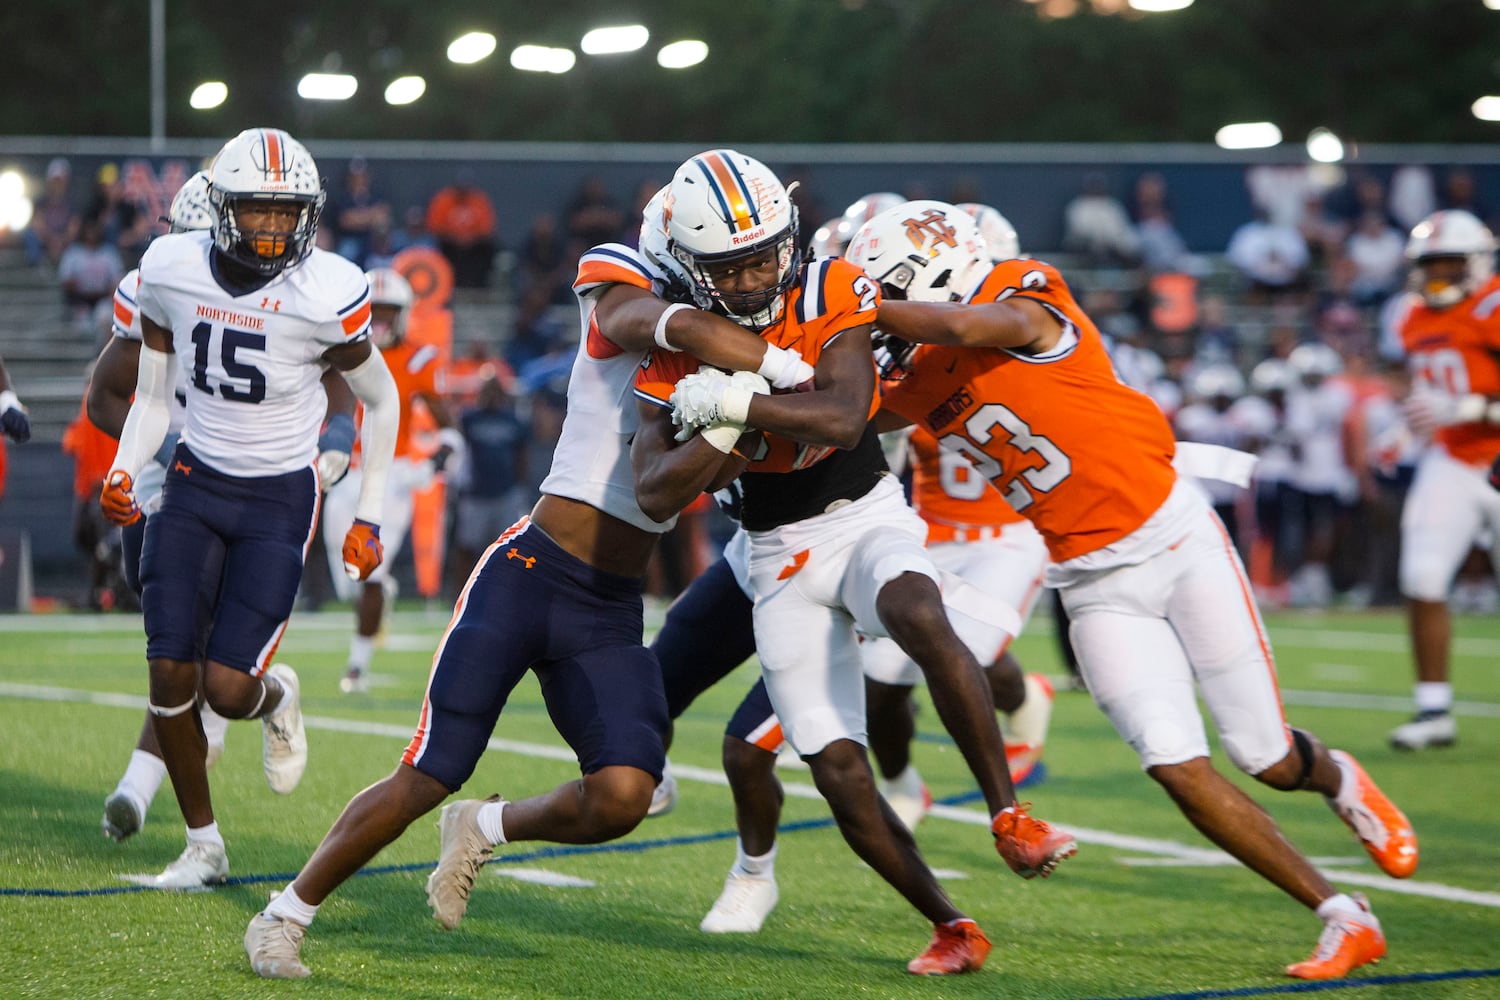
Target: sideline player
{"x": 1451, "y": 336}
{"x": 414, "y": 367}
{"x": 254, "y": 313}
{"x": 109, "y": 394}
{"x": 559, "y": 594}
{"x": 1014, "y": 375}
{"x": 832, "y": 543}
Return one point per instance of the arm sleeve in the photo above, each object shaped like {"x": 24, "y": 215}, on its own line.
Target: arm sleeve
{"x": 372, "y": 383}
{"x": 150, "y": 414}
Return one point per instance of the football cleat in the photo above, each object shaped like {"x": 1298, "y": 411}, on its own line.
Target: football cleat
{"x": 123, "y": 816}
{"x": 959, "y": 946}
{"x": 283, "y": 738}
{"x": 742, "y": 907}
{"x": 1375, "y": 820}
{"x": 202, "y": 864}
{"x": 1347, "y": 942}
{"x": 354, "y": 681}
{"x": 908, "y": 796}
{"x": 1025, "y": 729}
{"x": 664, "y": 796}
{"x": 274, "y": 946}
{"x": 1428, "y": 729}
{"x": 1030, "y": 846}
{"x": 464, "y": 851}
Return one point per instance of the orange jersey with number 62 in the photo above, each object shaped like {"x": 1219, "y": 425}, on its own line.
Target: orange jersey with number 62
{"x": 1082, "y": 455}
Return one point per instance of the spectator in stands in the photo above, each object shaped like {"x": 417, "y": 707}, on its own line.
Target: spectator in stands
{"x": 127, "y": 225}
{"x": 358, "y": 213}
{"x": 492, "y": 494}
{"x": 1271, "y": 257}
{"x": 593, "y": 216}
{"x": 538, "y": 333}
{"x": 1162, "y": 248}
{"x": 1096, "y": 225}
{"x": 54, "y": 221}
{"x": 413, "y": 231}
{"x": 89, "y": 270}
{"x": 461, "y": 218}
{"x": 1461, "y": 191}
{"x": 546, "y": 264}
{"x": 1377, "y": 251}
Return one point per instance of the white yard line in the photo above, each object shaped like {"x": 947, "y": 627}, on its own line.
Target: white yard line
{"x": 1171, "y": 851}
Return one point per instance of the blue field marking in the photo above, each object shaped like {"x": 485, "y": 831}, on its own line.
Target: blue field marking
{"x": 1326, "y": 984}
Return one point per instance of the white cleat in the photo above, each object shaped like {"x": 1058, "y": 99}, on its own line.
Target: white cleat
{"x": 464, "y": 851}
{"x": 283, "y": 739}
{"x": 742, "y": 907}
{"x": 355, "y": 681}
{"x": 908, "y": 796}
{"x": 202, "y": 864}
{"x": 664, "y": 797}
{"x": 1428, "y": 729}
{"x": 123, "y": 816}
{"x": 274, "y": 946}
{"x": 212, "y": 755}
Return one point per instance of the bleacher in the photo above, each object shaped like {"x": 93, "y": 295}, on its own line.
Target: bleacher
{"x": 46, "y": 355}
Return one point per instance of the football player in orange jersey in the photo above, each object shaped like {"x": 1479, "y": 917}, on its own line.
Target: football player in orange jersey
{"x": 1451, "y": 336}
{"x": 832, "y": 544}
{"x": 1014, "y": 376}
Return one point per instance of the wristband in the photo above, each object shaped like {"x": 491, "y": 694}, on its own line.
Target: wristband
{"x": 1471, "y": 409}
{"x": 661, "y": 325}
{"x": 734, "y": 405}
{"x": 721, "y": 436}
{"x": 9, "y": 400}
{"x": 783, "y": 368}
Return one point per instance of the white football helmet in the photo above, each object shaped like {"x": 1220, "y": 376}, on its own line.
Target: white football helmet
{"x": 190, "y": 209}
{"x": 388, "y": 291}
{"x": 1271, "y": 375}
{"x": 1312, "y": 363}
{"x": 829, "y": 239}
{"x": 867, "y": 208}
{"x": 724, "y": 207}
{"x": 1216, "y": 383}
{"x": 999, "y": 235}
{"x": 1453, "y": 233}
{"x": 926, "y": 251}
{"x": 264, "y": 164}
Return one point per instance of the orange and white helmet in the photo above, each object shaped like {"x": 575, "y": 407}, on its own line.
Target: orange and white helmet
{"x": 264, "y": 164}
{"x": 724, "y": 207}
{"x": 999, "y": 235}
{"x": 390, "y": 290}
{"x": 190, "y": 209}
{"x": 1446, "y": 234}
{"x": 926, "y": 251}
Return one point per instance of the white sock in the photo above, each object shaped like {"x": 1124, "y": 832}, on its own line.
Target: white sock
{"x": 214, "y": 725}
{"x": 143, "y": 776}
{"x": 1340, "y": 905}
{"x": 289, "y": 906}
{"x": 908, "y": 782}
{"x": 1434, "y": 696}
{"x": 491, "y": 823}
{"x": 762, "y": 867}
{"x": 205, "y": 835}
{"x": 361, "y": 650}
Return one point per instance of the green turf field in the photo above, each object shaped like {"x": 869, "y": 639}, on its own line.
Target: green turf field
{"x": 1144, "y": 910}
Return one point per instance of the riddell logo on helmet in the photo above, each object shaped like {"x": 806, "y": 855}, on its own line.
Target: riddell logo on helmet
{"x": 750, "y": 237}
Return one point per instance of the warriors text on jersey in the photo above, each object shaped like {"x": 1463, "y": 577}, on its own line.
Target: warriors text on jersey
{"x": 1457, "y": 351}
{"x": 255, "y": 402}
{"x": 1086, "y": 458}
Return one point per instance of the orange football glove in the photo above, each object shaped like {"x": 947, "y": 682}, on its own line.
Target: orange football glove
{"x": 362, "y": 550}
{"x": 117, "y": 499}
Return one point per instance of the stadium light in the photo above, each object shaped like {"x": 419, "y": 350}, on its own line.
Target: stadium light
{"x": 471, "y": 48}
{"x": 1487, "y": 109}
{"x": 607, "y": 41}
{"x": 681, "y": 55}
{"x": 1159, "y": 6}
{"x": 15, "y": 207}
{"x": 327, "y": 86}
{"x": 1248, "y": 135}
{"x": 542, "y": 59}
{"x": 1492, "y": 4}
{"x": 405, "y": 89}
{"x": 208, "y": 95}
{"x": 1324, "y": 146}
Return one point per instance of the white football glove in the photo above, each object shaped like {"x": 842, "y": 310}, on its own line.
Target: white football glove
{"x": 1428, "y": 409}
{"x": 709, "y": 396}
{"x": 332, "y": 466}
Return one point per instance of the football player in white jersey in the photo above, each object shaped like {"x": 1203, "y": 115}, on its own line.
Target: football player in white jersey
{"x": 109, "y": 393}
{"x": 253, "y": 313}
{"x": 14, "y": 423}
{"x": 558, "y": 593}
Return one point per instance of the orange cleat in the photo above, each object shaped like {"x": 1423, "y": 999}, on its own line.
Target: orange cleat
{"x": 1030, "y": 846}
{"x": 1380, "y": 826}
{"x": 957, "y": 946}
{"x": 1348, "y": 941}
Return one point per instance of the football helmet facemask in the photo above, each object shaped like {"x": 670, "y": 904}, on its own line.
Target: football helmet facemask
{"x": 190, "y": 209}
{"x": 925, "y": 251}
{"x": 1450, "y": 234}
{"x": 999, "y": 235}
{"x": 722, "y": 209}
{"x": 265, "y": 165}
{"x": 390, "y": 301}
